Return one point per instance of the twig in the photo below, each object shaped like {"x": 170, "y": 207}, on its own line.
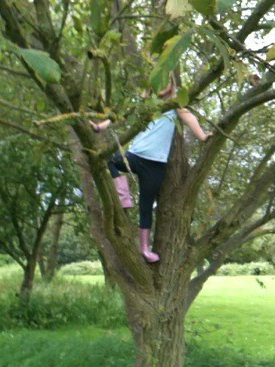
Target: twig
{"x": 125, "y": 7}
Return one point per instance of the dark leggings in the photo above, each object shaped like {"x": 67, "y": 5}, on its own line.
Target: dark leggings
{"x": 150, "y": 175}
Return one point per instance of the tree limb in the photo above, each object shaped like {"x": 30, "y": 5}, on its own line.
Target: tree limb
{"x": 12, "y": 254}
{"x": 21, "y": 240}
{"x": 248, "y": 233}
{"x": 248, "y": 27}
{"x": 254, "y": 196}
{"x": 44, "y": 21}
{"x": 227, "y": 123}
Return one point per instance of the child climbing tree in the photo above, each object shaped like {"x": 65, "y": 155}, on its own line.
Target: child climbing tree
{"x": 134, "y": 45}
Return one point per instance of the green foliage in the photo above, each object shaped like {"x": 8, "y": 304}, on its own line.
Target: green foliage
{"x": 161, "y": 37}
{"x": 219, "y": 43}
{"x": 82, "y": 268}
{"x": 183, "y": 97}
{"x": 253, "y": 268}
{"x": 61, "y": 302}
{"x": 271, "y": 54}
{"x": 73, "y": 351}
{"x": 226, "y": 356}
{"x": 75, "y": 243}
{"x": 224, "y": 5}
{"x": 206, "y": 7}
{"x": 26, "y": 349}
{"x": 5, "y": 260}
{"x": 110, "y": 38}
{"x": 45, "y": 67}
{"x": 169, "y": 59}
{"x": 100, "y": 16}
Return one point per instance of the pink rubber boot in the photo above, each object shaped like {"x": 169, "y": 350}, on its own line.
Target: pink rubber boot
{"x": 150, "y": 256}
{"x": 123, "y": 190}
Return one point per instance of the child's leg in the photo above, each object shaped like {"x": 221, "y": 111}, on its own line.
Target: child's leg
{"x": 116, "y": 163}
{"x": 150, "y": 179}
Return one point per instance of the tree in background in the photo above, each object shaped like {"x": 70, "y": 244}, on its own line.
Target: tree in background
{"x": 123, "y": 39}
{"x": 32, "y": 190}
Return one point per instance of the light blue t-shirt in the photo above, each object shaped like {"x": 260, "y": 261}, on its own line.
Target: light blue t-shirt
{"x": 155, "y": 142}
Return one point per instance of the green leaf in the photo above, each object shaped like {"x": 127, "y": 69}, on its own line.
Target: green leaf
{"x": 241, "y": 71}
{"x": 271, "y": 54}
{"x": 161, "y": 38}
{"x": 219, "y": 44}
{"x": 177, "y": 8}
{"x": 168, "y": 60}
{"x": 78, "y": 24}
{"x": 110, "y": 38}
{"x": 205, "y": 7}
{"x": 224, "y": 5}
{"x": 182, "y": 97}
{"x": 41, "y": 63}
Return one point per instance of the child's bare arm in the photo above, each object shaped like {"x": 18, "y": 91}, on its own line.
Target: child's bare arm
{"x": 191, "y": 121}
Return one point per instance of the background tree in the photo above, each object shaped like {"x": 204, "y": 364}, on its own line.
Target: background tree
{"x": 32, "y": 189}
{"x": 116, "y": 35}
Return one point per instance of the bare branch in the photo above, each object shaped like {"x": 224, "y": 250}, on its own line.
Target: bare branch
{"x": 8, "y": 250}
{"x": 254, "y": 196}
{"x": 47, "y": 33}
{"x": 245, "y": 235}
{"x": 249, "y": 26}
{"x": 18, "y": 230}
{"x": 98, "y": 54}
{"x": 253, "y": 20}
{"x": 227, "y": 123}
{"x": 44, "y": 222}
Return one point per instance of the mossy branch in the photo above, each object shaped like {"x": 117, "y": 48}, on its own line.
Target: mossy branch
{"x": 98, "y": 54}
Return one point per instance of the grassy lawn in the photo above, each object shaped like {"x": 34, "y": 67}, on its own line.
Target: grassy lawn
{"x": 231, "y": 324}
{"x": 237, "y": 311}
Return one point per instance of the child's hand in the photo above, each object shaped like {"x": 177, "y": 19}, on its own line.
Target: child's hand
{"x": 207, "y": 135}
{"x": 94, "y": 126}
{"x": 101, "y": 126}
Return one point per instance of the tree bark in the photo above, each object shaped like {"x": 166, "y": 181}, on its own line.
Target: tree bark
{"x": 27, "y": 283}
{"x": 157, "y": 326}
{"x": 52, "y": 260}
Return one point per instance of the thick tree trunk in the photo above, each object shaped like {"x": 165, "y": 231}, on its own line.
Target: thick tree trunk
{"x": 157, "y": 325}
{"x": 27, "y": 283}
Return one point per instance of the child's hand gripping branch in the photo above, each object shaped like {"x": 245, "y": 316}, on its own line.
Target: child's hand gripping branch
{"x": 191, "y": 121}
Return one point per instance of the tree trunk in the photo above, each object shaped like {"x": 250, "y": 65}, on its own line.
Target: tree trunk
{"x": 41, "y": 262}
{"x": 27, "y": 283}
{"x": 52, "y": 260}
{"x": 157, "y": 326}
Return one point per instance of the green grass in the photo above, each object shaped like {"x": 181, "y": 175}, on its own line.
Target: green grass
{"x": 231, "y": 324}
{"x": 237, "y": 311}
